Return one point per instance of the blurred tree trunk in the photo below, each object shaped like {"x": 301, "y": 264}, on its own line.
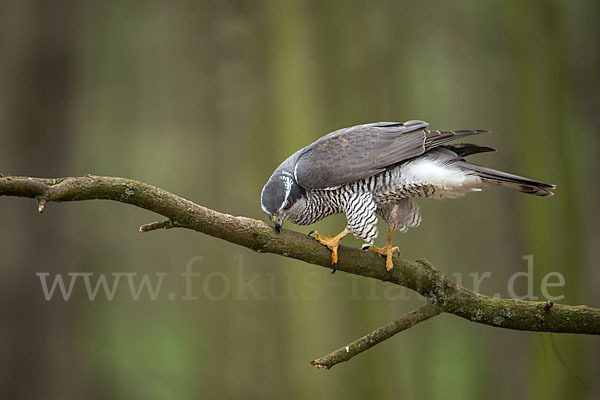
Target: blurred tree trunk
{"x": 38, "y": 44}
{"x": 551, "y": 137}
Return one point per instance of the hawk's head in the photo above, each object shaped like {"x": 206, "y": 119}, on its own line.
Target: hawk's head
{"x": 279, "y": 196}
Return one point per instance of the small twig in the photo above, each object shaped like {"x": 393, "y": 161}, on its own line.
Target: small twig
{"x": 41, "y": 200}
{"x": 167, "y": 224}
{"x": 377, "y": 336}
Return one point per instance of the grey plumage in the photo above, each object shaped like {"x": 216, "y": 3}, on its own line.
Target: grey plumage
{"x": 400, "y": 215}
{"x": 379, "y": 168}
{"x": 355, "y": 153}
{"x": 467, "y": 149}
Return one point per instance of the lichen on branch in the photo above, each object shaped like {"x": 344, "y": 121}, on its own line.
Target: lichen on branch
{"x": 441, "y": 293}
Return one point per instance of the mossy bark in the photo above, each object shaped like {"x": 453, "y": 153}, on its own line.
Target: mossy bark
{"x": 420, "y": 276}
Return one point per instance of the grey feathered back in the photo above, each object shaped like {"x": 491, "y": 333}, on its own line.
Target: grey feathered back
{"x": 355, "y": 153}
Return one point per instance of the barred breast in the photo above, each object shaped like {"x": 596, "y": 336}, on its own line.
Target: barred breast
{"x": 422, "y": 177}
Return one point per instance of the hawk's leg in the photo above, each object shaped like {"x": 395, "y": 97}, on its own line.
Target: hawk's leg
{"x": 387, "y": 251}
{"x": 332, "y": 244}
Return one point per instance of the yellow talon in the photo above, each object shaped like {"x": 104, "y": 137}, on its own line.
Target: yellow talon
{"x": 387, "y": 251}
{"x": 332, "y": 244}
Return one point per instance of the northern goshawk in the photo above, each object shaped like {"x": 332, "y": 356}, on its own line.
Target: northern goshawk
{"x": 374, "y": 169}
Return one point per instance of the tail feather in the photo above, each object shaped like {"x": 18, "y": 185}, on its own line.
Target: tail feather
{"x": 510, "y": 181}
{"x": 438, "y": 138}
{"x": 467, "y": 149}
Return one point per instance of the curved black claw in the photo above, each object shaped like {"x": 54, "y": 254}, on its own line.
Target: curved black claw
{"x": 310, "y": 233}
{"x": 334, "y": 268}
{"x": 389, "y": 276}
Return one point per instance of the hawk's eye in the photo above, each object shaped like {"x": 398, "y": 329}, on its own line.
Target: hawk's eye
{"x": 287, "y": 205}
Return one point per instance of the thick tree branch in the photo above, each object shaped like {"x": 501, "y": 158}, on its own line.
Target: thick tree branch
{"x": 440, "y": 291}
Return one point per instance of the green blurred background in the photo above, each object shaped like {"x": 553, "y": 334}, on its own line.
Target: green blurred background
{"x": 205, "y": 99}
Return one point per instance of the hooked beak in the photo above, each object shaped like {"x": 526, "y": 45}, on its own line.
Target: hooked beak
{"x": 277, "y": 222}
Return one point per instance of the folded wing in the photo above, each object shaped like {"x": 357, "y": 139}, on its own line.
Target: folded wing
{"x": 355, "y": 153}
